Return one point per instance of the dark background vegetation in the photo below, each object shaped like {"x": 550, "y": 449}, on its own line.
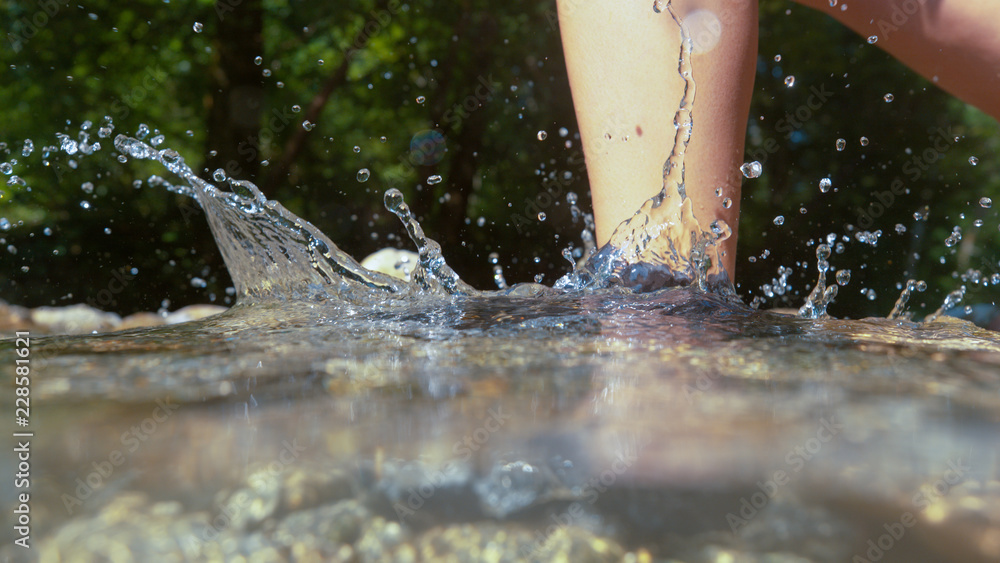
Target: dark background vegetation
{"x": 356, "y": 70}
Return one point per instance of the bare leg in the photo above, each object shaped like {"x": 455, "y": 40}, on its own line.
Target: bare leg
{"x": 622, "y": 62}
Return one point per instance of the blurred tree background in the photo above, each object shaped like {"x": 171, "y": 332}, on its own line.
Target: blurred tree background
{"x": 301, "y": 97}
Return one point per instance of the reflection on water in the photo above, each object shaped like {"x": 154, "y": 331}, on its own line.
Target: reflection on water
{"x": 599, "y": 427}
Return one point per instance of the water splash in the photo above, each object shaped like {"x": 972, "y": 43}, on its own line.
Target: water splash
{"x": 663, "y": 244}
{"x": 821, "y": 296}
{"x": 899, "y": 309}
{"x": 270, "y": 252}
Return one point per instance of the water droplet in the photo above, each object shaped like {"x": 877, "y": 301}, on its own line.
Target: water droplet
{"x": 219, "y": 175}
{"x": 751, "y": 169}
{"x": 843, "y": 277}
{"x": 872, "y": 39}
{"x": 421, "y": 100}
{"x": 47, "y": 231}
{"x": 364, "y": 174}
{"x": 107, "y": 230}
{"x": 257, "y": 60}
{"x": 789, "y": 81}
{"x": 356, "y": 149}
{"x": 87, "y": 187}
{"x": 320, "y": 62}
{"x": 779, "y": 220}
{"x": 825, "y": 184}
{"x": 481, "y": 222}
{"x": 6, "y": 168}
{"x": 864, "y": 141}
{"x": 382, "y": 139}
{"x": 888, "y": 98}
{"x": 777, "y": 58}
{"x": 4, "y": 224}
{"x": 296, "y": 108}
{"x": 85, "y": 204}
{"x": 541, "y": 215}
{"x": 266, "y": 72}
{"x": 198, "y": 282}
{"x": 900, "y": 228}
{"x": 870, "y": 294}
{"x": 977, "y": 223}
{"x": 198, "y": 27}
{"x": 542, "y": 135}
{"x": 841, "y": 144}
{"x": 28, "y": 147}
{"x": 308, "y": 125}
{"x": 985, "y": 202}
{"x": 727, "y": 203}
{"x": 802, "y": 211}
{"x": 563, "y": 131}
{"x": 921, "y": 214}
{"x": 660, "y": 5}
{"x": 435, "y": 179}
{"x": 718, "y": 192}
{"x": 973, "y": 160}
{"x": 142, "y": 131}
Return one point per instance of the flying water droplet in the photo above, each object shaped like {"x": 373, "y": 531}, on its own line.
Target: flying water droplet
{"x": 435, "y": 179}
{"x": 421, "y": 100}
{"x": 888, "y": 98}
{"x": 985, "y": 202}
{"x": 363, "y": 175}
{"x": 789, "y": 81}
{"x": 219, "y": 175}
{"x": 843, "y": 277}
{"x": 777, "y": 58}
{"x": 87, "y": 187}
{"x": 779, "y": 220}
{"x": 85, "y": 204}
{"x": 872, "y": 39}
{"x": 542, "y": 135}
{"x": 198, "y": 282}
{"x": 257, "y": 60}
{"x": 541, "y": 216}
{"x": 6, "y": 168}
{"x": 28, "y": 147}
{"x": 841, "y": 144}
{"x": 973, "y": 160}
{"x": 751, "y": 169}
{"x": 922, "y": 214}
{"x": 825, "y": 184}
{"x": 382, "y": 139}
{"x": 4, "y": 224}
{"x": 296, "y": 108}
{"x": 357, "y": 149}
{"x": 900, "y": 228}
{"x": 864, "y": 141}
{"x": 198, "y": 27}
{"x": 308, "y": 125}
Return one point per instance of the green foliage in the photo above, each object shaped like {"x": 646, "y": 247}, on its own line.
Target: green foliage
{"x": 491, "y": 75}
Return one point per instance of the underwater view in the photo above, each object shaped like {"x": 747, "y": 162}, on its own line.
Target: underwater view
{"x": 388, "y": 331}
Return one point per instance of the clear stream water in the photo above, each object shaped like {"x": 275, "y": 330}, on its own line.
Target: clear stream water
{"x": 337, "y": 413}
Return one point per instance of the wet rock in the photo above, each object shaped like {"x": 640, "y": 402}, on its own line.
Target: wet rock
{"x": 392, "y": 262}
{"x": 14, "y": 317}
{"x": 75, "y": 319}
{"x": 141, "y": 320}
{"x": 193, "y": 313}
